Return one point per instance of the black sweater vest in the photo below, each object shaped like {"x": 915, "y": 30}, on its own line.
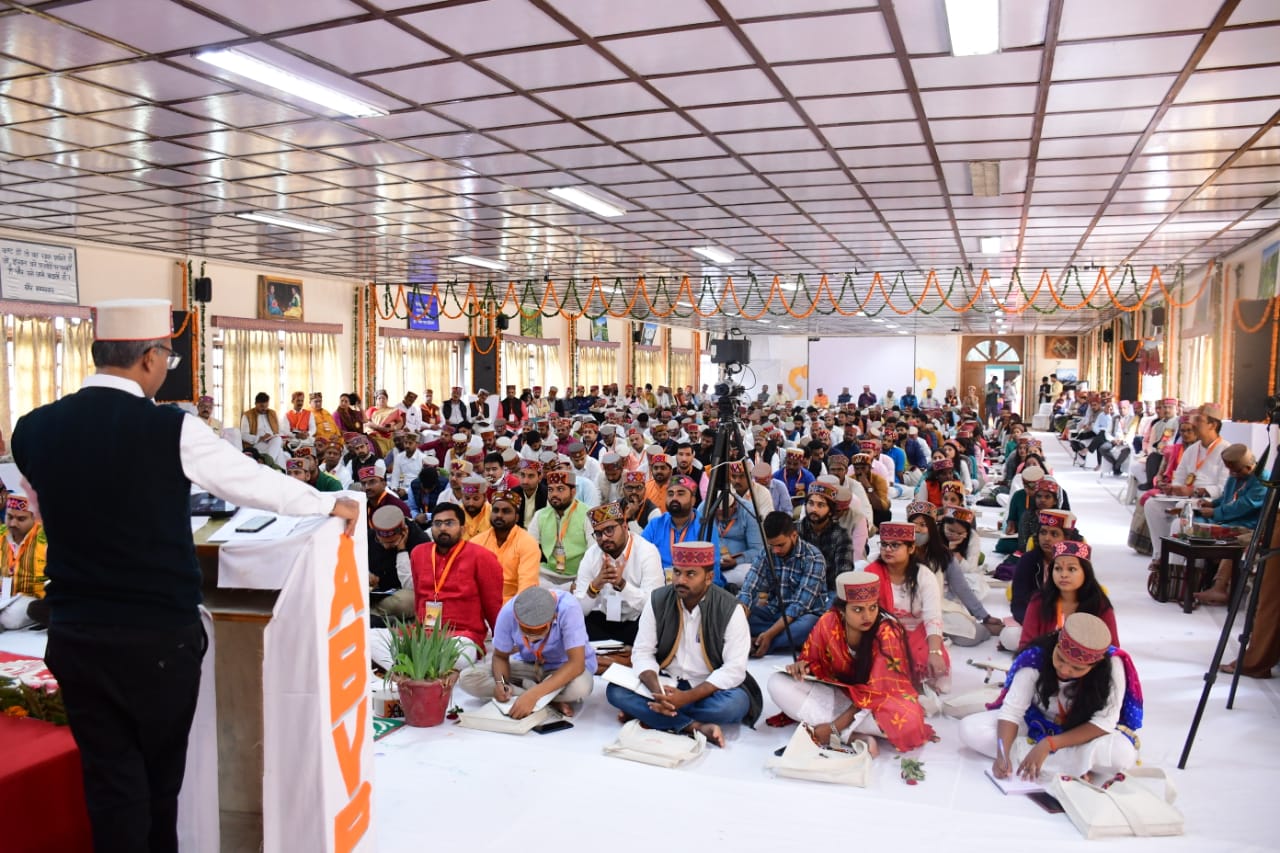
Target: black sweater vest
{"x": 134, "y": 563}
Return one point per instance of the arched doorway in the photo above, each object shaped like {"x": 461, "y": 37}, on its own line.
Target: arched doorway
{"x": 1000, "y": 356}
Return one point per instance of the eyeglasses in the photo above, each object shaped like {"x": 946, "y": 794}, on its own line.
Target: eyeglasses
{"x": 601, "y": 532}
{"x": 173, "y": 360}
{"x": 444, "y": 522}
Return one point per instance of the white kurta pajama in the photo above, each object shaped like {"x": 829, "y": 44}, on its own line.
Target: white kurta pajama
{"x": 1200, "y": 467}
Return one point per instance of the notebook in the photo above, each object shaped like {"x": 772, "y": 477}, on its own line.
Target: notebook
{"x": 1015, "y": 784}
{"x": 490, "y": 718}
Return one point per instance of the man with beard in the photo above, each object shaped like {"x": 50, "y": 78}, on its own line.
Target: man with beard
{"x": 374, "y": 479}
{"x": 411, "y": 412}
{"x": 803, "y": 587}
{"x": 706, "y": 446}
{"x": 454, "y": 410}
{"x": 304, "y": 468}
{"x": 204, "y": 411}
{"x": 584, "y": 466}
{"x": 517, "y": 551}
{"x": 475, "y": 503}
{"x": 616, "y": 577}
{"x": 260, "y": 430}
{"x": 561, "y": 530}
{"x": 326, "y": 428}
{"x": 405, "y": 468}
{"x": 538, "y": 407}
{"x": 685, "y": 464}
{"x": 532, "y": 490}
{"x": 332, "y": 464}
{"x": 431, "y": 418}
{"x": 819, "y": 528}
{"x": 563, "y": 439}
{"x": 699, "y": 635}
{"x": 511, "y": 409}
{"x": 638, "y": 509}
{"x": 589, "y": 435}
{"x": 680, "y": 522}
{"x": 763, "y": 475}
{"x": 795, "y": 476}
{"x": 609, "y": 483}
{"x": 22, "y": 564}
{"x": 754, "y": 496}
{"x": 659, "y": 476}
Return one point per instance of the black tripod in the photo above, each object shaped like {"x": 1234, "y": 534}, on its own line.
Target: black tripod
{"x": 1252, "y": 566}
{"x": 720, "y": 493}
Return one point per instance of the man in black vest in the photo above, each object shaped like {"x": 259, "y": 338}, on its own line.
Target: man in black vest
{"x": 125, "y": 638}
{"x": 696, "y": 632}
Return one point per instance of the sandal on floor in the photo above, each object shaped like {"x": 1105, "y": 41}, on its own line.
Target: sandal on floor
{"x": 779, "y": 720}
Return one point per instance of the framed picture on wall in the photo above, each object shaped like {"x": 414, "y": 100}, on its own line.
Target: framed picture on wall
{"x": 649, "y": 335}
{"x": 531, "y": 327}
{"x": 600, "y": 328}
{"x": 1065, "y": 347}
{"x": 424, "y": 312}
{"x": 279, "y": 298}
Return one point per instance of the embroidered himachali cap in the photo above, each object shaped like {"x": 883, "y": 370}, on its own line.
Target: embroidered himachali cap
{"x": 921, "y": 508}
{"x": 387, "y": 521}
{"x": 960, "y": 514}
{"x": 461, "y": 466}
{"x": 1084, "y": 639}
{"x": 844, "y": 498}
{"x": 896, "y": 531}
{"x": 513, "y": 498}
{"x": 606, "y": 513}
{"x": 205, "y": 398}
{"x": 431, "y": 461}
{"x": 633, "y": 477}
{"x": 871, "y": 447}
{"x": 293, "y": 465}
{"x": 1170, "y": 401}
{"x": 953, "y": 486}
{"x": 795, "y": 453}
{"x": 534, "y": 609}
{"x": 683, "y": 481}
{"x": 1212, "y": 410}
{"x": 18, "y": 503}
{"x": 561, "y": 477}
{"x": 860, "y": 459}
{"x": 1079, "y": 550}
{"x": 1048, "y": 484}
{"x": 942, "y": 465}
{"x": 459, "y": 438}
{"x": 530, "y": 465}
{"x": 857, "y": 587}
{"x": 1059, "y": 518}
{"x": 473, "y": 485}
{"x": 132, "y": 320}
{"x": 823, "y": 490}
{"x": 659, "y": 458}
{"x": 687, "y": 554}
{"x": 376, "y": 471}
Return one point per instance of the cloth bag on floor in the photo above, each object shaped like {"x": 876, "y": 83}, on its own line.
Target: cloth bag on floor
{"x": 1121, "y": 807}
{"x": 650, "y": 746}
{"x": 804, "y": 759}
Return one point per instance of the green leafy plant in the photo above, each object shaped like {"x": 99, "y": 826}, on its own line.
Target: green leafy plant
{"x": 912, "y": 770}
{"x": 421, "y": 653}
{"x": 39, "y": 703}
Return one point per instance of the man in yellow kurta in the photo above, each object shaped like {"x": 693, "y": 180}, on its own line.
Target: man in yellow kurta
{"x": 22, "y": 563}
{"x": 326, "y": 426}
{"x": 475, "y": 490}
{"x": 516, "y": 549}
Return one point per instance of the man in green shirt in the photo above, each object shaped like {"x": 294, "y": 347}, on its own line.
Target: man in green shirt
{"x": 304, "y": 468}
{"x": 561, "y": 529}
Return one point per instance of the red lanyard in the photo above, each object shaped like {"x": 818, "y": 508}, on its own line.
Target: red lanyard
{"x": 684, "y": 534}
{"x": 564, "y": 528}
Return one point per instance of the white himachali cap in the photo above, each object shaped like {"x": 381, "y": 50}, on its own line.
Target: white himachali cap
{"x": 132, "y": 320}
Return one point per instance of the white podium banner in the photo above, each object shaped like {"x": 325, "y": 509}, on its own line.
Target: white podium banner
{"x": 317, "y": 728}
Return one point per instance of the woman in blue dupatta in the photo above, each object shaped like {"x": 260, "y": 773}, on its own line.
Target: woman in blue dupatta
{"x": 1072, "y": 704}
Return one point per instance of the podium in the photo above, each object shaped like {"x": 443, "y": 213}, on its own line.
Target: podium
{"x": 283, "y": 710}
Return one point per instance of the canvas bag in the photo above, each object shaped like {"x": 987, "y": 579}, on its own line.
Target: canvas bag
{"x": 804, "y": 759}
{"x": 650, "y": 746}
{"x": 1124, "y": 808}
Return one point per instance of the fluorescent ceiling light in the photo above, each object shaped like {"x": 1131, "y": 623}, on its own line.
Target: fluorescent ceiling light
{"x": 974, "y": 26}
{"x": 762, "y": 320}
{"x": 903, "y": 332}
{"x": 585, "y": 200}
{"x": 715, "y": 255}
{"x": 284, "y": 81}
{"x": 984, "y": 178}
{"x": 283, "y": 222}
{"x": 479, "y": 262}
{"x": 989, "y": 245}
{"x": 876, "y": 320}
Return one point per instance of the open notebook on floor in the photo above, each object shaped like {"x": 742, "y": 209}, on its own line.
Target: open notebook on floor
{"x": 1015, "y": 784}
{"x": 625, "y": 676}
{"x": 490, "y": 717}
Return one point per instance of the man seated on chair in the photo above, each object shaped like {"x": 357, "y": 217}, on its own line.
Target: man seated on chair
{"x": 697, "y": 633}
{"x": 802, "y": 585}
{"x": 540, "y": 649}
{"x": 1201, "y": 473}
{"x": 616, "y": 576}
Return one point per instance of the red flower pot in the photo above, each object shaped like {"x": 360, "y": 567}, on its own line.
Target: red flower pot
{"x": 424, "y": 702}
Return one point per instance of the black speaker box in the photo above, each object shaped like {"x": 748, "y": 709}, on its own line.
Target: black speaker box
{"x": 1108, "y": 336}
{"x": 503, "y": 322}
{"x": 203, "y": 289}
{"x": 1157, "y": 317}
{"x": 1130, "y": 377}
{"x": 637, "y": 336}
{"x": 179, "y": 383}
{"x": 484, "y": 365}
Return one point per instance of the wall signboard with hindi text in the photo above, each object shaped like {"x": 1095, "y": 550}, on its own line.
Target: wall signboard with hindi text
{"x": 38, "y": 272}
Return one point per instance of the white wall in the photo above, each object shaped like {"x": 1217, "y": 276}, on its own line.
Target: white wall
{"x": 937, "y": 364}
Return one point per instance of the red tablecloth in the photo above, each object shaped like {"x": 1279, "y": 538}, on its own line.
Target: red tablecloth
{"x": 41, "y": 789}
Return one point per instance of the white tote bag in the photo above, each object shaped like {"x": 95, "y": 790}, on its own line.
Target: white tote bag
{"x": 661, "y": 749}
{"x": 804, "y": 759}
{"x": 1123, "y": 807}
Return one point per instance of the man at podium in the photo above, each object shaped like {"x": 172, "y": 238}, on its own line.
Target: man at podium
{"x": 125, "y": 637}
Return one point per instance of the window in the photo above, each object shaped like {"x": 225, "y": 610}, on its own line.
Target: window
{"x": 247, "y": 362}
{"x": 45, "y": 358}
{"x": 992, "y": 350}
{"x": 415, "y": 364}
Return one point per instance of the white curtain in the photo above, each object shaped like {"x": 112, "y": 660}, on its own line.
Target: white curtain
{"x": 597, "y": 365}
{"x": 1197, "y": 369}
{"x": 250, "y": 365}
{"x": 649, "y": 368}
{"x": 515, "y": 358}
{"x": 415, "y": 364}
{"x": 311, "y": 364}
{"x": 546, "y": 365}
{"x": 77, "y": 355}
{"x": 34, "y": 360}
{"x": 681, "y": 368}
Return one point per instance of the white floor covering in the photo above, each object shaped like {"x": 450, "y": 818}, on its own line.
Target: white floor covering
{"x": 452, "y": 788}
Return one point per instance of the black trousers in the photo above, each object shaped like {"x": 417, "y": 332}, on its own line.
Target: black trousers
{"x": 600, "y": 628}
{"x": 130, "y": 694}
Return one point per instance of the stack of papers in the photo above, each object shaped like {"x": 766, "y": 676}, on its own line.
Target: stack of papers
{"x": 505, "y": 707}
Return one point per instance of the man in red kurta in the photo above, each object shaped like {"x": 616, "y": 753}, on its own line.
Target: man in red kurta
{"x": 458, "y": 582}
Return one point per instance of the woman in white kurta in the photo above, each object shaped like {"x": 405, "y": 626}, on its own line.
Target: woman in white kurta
{"x": 1071, "y": 704}
{"x": 910, "y": 592}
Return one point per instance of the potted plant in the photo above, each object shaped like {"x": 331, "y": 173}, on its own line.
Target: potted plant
{"x": 423, "y": 660}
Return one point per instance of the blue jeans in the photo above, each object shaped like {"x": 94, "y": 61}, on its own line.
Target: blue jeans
{"x": 723, "y": 706}
{"x": 762, "y": 617}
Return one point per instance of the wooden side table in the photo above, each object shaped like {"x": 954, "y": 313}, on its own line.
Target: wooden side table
{"x": 1195, "y": 555}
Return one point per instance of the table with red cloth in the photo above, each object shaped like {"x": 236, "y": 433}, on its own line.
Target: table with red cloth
{"x": 41, "y": 789}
